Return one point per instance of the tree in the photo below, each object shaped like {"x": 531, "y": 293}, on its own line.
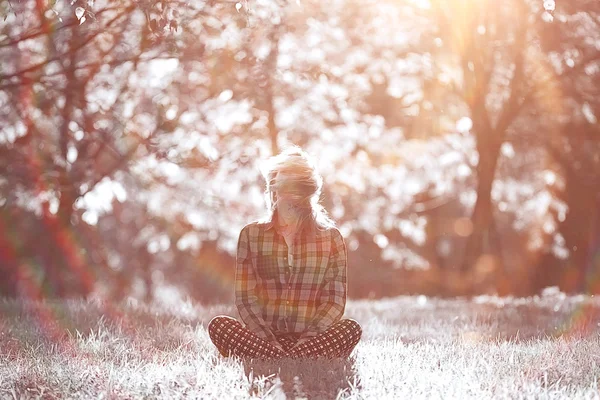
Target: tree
{"x": 66, "y": 122}
{"x": 504, "y": 81}
{"x": 570, "y": 127}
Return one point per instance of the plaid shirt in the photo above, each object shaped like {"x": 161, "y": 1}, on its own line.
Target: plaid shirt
{"x": 274, "y": 297}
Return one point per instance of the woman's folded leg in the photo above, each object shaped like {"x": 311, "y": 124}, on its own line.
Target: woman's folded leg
{"x": 232, "y": 339}
{"x": 337, "y": 341}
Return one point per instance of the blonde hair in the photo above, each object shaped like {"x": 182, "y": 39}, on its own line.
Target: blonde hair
{"x": 293, "y": 171}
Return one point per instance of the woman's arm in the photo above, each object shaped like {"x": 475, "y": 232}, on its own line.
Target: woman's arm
{"x": 332, "y": 294}
{"x": 246, "y": 299}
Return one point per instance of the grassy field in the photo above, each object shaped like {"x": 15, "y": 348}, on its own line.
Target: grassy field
{"x": 413, "y": 347}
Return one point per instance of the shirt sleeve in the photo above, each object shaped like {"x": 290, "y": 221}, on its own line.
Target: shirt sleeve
{"x": 246, "y": 299}
{"x": 332, "y": 294}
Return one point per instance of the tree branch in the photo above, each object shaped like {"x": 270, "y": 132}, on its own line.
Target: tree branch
{"x": 41, "y": 30}
{"x": 536, "y": 88}
{"x": 61, "y": 56}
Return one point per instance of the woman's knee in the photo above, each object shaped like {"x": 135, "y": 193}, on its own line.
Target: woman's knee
{"x": 218, "y": 323}
{"x": 353, "y": 326}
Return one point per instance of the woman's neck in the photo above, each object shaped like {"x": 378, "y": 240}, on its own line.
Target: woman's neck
{"x": 288, "y": 219}
{"x": 285, "y": 219}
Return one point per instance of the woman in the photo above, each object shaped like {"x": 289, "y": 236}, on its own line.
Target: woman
{"x": 290, "y": 283}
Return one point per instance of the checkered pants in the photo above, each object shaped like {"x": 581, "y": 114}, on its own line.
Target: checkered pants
{"x": 231, "y": 338}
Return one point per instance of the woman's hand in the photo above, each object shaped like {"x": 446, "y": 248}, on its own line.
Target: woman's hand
{"x": 278, "y": 346}
{"x": 300, "y": 341}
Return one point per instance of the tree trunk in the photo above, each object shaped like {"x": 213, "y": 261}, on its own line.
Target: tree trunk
{"x": 147, "y": 267}
{"x": 482, "y": 239}
{"x": 579, "y": 230}
{"x": 270, "y": 69}
{"x": 272, "y": 127}
{"x": 9, "y": 265}
{"x": 591, "y": 283}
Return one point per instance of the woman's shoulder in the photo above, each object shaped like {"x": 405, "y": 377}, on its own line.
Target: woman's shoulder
{"x": 330, "y": 231}
{"x": 335, "y": 233}
{"x": 256, "y": 226}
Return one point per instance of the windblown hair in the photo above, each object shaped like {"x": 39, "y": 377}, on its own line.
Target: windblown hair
{"x": 294, "y": 173}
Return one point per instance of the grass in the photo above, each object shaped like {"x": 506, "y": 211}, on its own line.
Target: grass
{"x": 412, "y": 347}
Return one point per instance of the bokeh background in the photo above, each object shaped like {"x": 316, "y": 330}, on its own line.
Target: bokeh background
{"x": 458, "y": 140}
